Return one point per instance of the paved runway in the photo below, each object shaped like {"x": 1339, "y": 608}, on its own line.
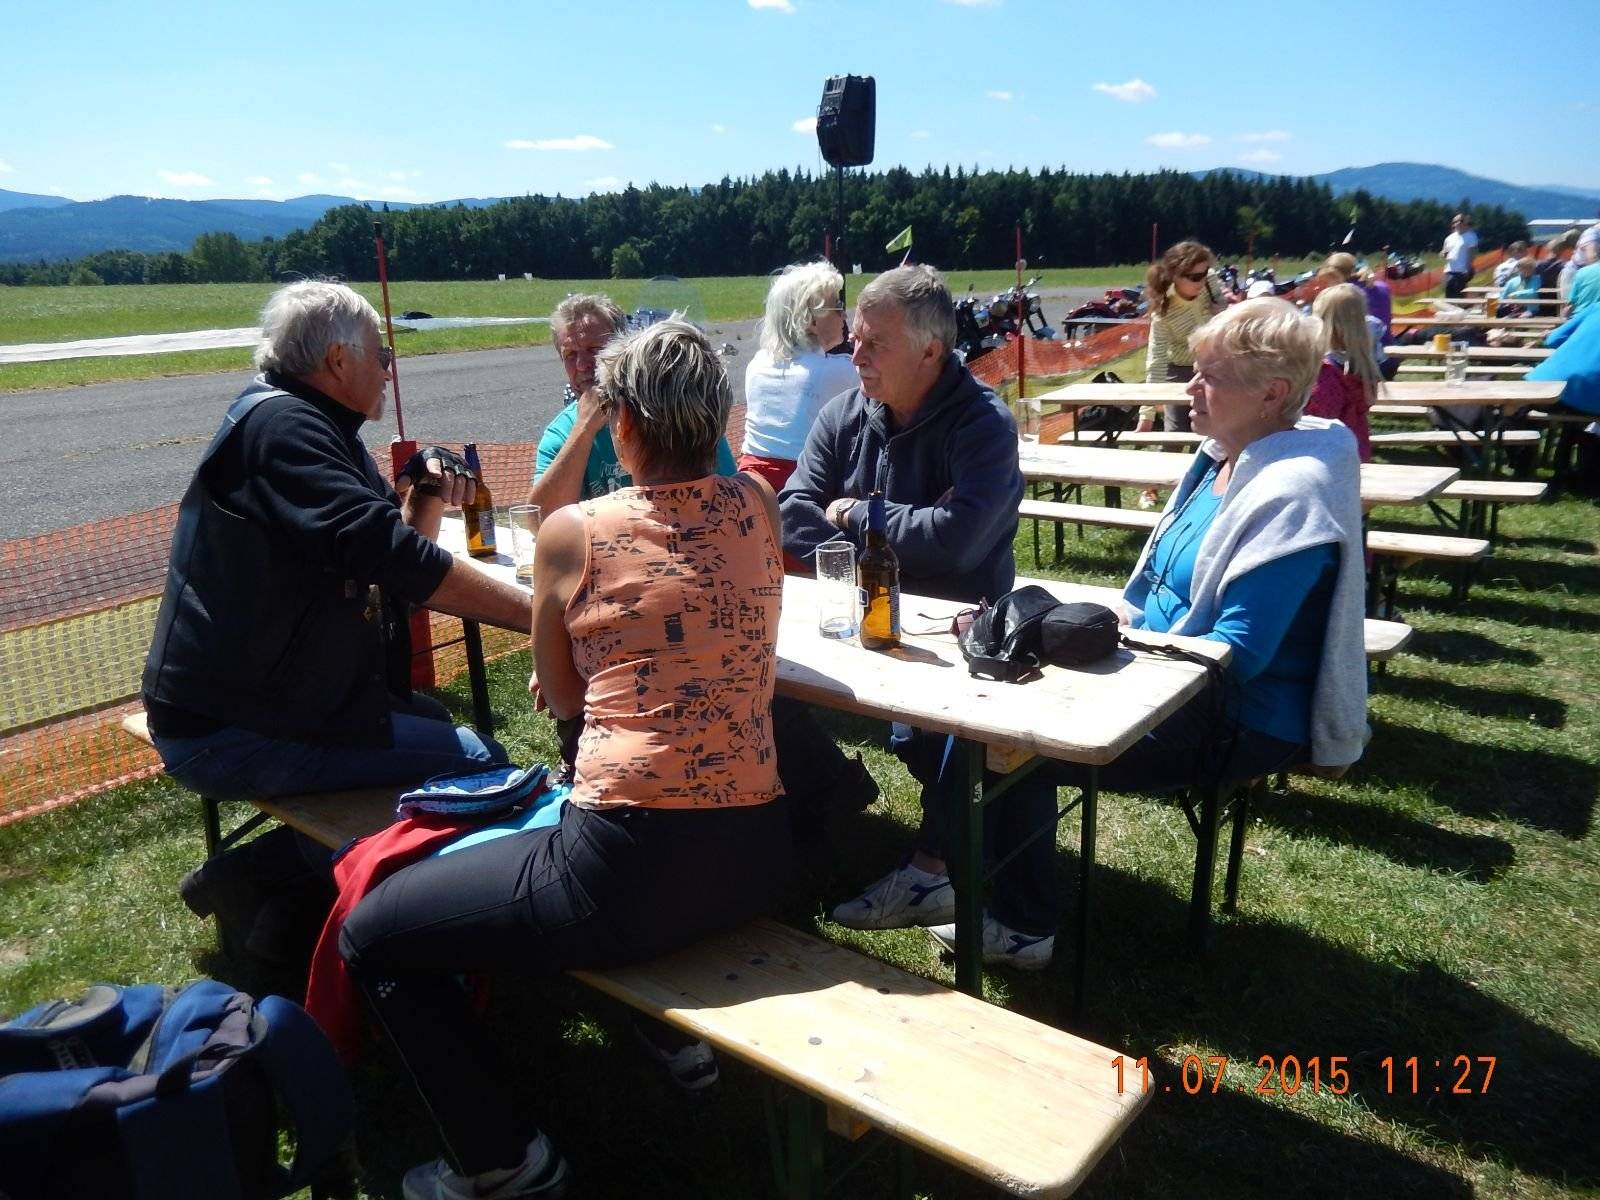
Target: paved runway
{"x": 80, "y": 454}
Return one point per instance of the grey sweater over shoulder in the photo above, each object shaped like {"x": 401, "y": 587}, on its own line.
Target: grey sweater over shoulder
{"x": 1290, "y": 491}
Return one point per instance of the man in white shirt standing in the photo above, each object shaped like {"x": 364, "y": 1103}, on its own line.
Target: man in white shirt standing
{"x": 1459, "y": 248}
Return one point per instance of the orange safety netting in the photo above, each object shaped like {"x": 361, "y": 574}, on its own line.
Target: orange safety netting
{"x": 1003, "y": 364}
{"x": 77, "y": 609}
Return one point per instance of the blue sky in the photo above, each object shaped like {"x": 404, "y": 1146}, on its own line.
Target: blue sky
{"x": 430, "y": 101}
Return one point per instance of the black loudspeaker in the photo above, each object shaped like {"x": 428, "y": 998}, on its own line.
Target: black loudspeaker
{"x": 846, "y": 119}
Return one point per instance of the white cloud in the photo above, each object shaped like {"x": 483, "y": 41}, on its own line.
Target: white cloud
{"x": 354, "y": 187}
{"x": 5, "y": 167}
{"x": 1269, "y": 135}
{"x": 341, "y": 168}
{"x": 396, "y": 192}
{"x": 309, "y": 179}
{"x": 805, "y": 125}
{"x": 1262, "y": 155}
{"x": 920, "y": 134}
{"x": 606, "y": 183}
{"x": 782, "y": 6}
{"x": 719, "y": 129}
{"x": 1135, "y": 91}
{"x": 402, "y": 176}
{"x": 583, "y": 141}
{"x": 259, "y": 180}
{"x": 1179, "y": 141}
{"x": 183, "y": 179}
{"x": 998, "y": 95}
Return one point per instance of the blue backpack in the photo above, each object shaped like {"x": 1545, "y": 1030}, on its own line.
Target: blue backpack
{"x": 155, "y": 1092}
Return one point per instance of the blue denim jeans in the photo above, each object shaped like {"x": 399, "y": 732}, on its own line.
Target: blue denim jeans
{"x": 236, "y": 764}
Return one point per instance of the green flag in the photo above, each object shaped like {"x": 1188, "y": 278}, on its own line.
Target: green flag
{"x": 902, "y": 241}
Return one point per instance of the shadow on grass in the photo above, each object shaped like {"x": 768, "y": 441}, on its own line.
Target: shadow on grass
{"x": 1560, "y": 545}
{"x": 1544, "y": 790}
{"x": 1527, "y": 610}
{"x": 1461, "y": 646}
{"x": 1400, "y": 839}
{"x": 1269, "y": 988}
{"x": 1545, "y": 711}
{"x": 1539, "y": 574}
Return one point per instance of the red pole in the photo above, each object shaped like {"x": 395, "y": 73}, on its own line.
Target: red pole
{"x": 1155, "y": 227}
{"x": 400, "y": 451}
{"x": 1022, "y": 338}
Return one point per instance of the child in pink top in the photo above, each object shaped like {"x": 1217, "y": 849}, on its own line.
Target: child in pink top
{"x": 1349, "y": 379}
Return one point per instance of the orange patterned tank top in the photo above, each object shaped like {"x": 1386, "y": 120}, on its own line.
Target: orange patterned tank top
{"x": 675, "y": 627}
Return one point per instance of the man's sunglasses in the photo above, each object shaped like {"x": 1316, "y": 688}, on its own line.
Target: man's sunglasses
{"x": 958, "y": 625}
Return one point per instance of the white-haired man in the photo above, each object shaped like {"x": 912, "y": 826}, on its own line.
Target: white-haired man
{"x": 280, "y": 661}
{"x": 576, "y": 458}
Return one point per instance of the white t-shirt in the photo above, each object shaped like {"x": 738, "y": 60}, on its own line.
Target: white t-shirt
{"x": 1458, "y": 251}
{"x": 781, "y": 402}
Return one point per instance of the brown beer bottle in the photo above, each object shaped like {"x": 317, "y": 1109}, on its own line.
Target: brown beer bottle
{"x": 479, "y": 512}
{"x": 878, "y": 577}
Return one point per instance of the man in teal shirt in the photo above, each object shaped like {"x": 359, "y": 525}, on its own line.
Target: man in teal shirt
{"x": 576, "y": 459}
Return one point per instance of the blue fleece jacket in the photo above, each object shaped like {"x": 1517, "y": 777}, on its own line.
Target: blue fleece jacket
{"x": 950, "y": 480}
{"x": 1576, "y": 360}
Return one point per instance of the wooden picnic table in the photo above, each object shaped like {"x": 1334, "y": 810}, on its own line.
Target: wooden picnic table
{"x": 1095, "y": 466}
{"x": 1483, "y": 290}
{"x": 1089, "y": 715}
{"x": 1463, "y": 301}
{"x": 1511, "y": 393}
{"x": 1476, "y": 321}
{"x": 1482, "y": 354}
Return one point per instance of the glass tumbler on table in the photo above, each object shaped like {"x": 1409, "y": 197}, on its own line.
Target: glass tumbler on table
{"x": 524, "y": 522}
{"x": 837, "y": 595}
{"x": 1455, "y": 365}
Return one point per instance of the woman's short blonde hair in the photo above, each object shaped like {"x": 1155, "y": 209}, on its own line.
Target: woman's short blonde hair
{"x": 792, "y": 301}
{"x": 676, "y": 390}
{"x": 1266, "y": 339}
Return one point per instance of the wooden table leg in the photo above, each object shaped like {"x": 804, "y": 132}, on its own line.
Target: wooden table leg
{"x": 477, "y": 677}
{"x": 966, "y": 870}
{"x": 1205, "y": 863}
{"x": 1091, "y": 808}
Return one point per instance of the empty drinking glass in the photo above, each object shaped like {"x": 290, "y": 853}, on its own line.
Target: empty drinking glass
{"x": 1455, "y": 365}
{"x": 524, "y": 522}
{"x": 837, "y": 604}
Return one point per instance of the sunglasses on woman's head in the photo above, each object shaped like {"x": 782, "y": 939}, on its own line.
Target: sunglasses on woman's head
{"x": 1196, "y": 276}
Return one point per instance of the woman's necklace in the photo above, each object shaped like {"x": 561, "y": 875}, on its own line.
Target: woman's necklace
{"x": 1158, "y": 581}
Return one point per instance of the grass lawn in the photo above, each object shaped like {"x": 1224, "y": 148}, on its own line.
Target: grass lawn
{"x": 1441, "y": 900}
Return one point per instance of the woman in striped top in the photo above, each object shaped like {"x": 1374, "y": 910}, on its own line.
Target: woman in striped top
{"x": 1184, "y": 295}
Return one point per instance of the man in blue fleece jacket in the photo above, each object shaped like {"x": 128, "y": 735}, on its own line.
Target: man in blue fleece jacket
{"x": 938, "y": 444}
{"x": 943, "y": 451}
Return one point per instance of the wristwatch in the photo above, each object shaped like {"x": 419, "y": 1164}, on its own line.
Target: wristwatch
{"x": 839, "y": 509}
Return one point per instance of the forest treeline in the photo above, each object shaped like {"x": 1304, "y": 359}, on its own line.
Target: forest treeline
{"x": 961, "y": 220}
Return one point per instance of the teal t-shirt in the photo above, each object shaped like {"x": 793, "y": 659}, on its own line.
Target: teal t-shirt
{"x": 602, "y": 474}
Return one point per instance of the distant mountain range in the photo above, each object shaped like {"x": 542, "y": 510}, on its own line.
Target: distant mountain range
{"x": 1426, "y": 181}
{"x": 36, "y": 227}
{"x": 53, "y": 227}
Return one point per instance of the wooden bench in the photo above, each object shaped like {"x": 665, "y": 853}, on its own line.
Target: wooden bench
{"x": 1452, "y": 437}
{"x": 858, "y": 1044}
{"x": 1480, "y": 501}
{"x": 1395, "y": 551}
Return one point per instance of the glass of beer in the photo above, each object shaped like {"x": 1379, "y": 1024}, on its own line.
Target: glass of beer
{"x": 838, "y": 607}
{"x": 524, "y": 522}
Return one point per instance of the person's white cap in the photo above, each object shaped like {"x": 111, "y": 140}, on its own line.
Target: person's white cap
{"x": 1261, "y": 287}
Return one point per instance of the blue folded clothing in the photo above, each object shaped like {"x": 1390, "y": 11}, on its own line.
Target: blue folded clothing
{"x": 491, "y": 792}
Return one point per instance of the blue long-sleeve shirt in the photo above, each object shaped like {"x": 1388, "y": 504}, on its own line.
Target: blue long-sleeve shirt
{"x": 1273, "y": 617}
{"x": 1576, "y": 360}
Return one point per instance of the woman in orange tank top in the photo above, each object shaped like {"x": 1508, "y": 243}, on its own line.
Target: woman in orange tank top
{"x": 655, "y": 620}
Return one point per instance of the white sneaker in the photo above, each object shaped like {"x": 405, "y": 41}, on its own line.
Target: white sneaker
{"x": 906, "y": 896}
{"x": 543, "y": 1173}
{"x": 1003, "y": 946}
{"x": 692, "y": 1065}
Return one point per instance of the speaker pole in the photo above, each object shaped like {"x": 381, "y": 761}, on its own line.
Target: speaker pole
{"x": 838, "y": 241}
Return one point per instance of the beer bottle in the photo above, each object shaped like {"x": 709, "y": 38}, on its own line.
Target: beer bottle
{"x": 479, "y": 512}
{"x": 878, "y": 577}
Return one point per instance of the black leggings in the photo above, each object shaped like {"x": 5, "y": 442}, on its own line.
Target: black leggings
{"x": 601, "y": 889}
